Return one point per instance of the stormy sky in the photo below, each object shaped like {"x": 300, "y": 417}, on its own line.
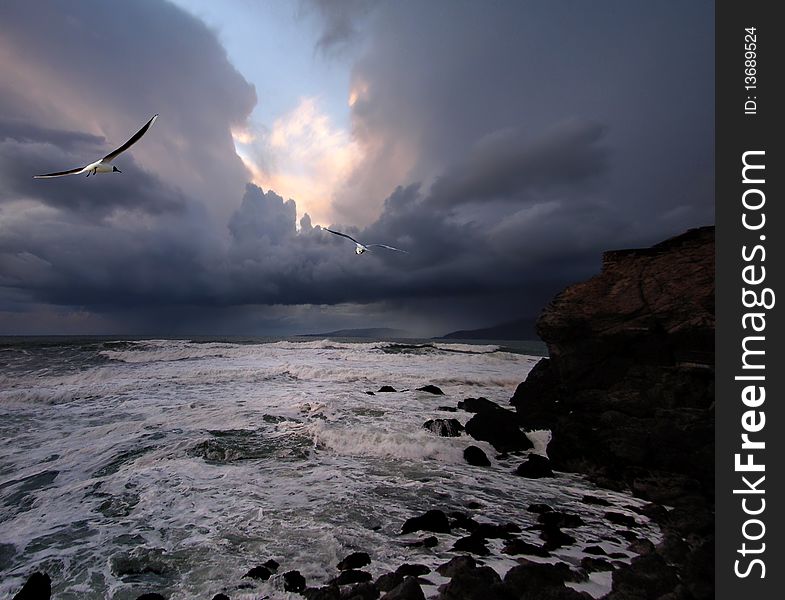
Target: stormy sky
{"x": 504, "y": 144}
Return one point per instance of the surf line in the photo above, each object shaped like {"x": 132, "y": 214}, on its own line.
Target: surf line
{"x": 756, "y": 300}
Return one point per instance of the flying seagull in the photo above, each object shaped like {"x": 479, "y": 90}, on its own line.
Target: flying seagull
{"x": 364, "y": 247}
{"x": 103, "y": 165}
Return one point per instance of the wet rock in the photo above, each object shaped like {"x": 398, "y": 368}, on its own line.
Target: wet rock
{"x": 559, "y": 519}
{"x": 370, "y": 393}
{"x": 477, "y": 405}
{"x": 455, "y": 565}
{"x": 427, "y": 542}
{"x": 444, "y": 427}
{"x": 530, "y": 577}
{"x": 590, "y": 564}
{"x": 385, "y": 388}
{"x": 408, "y": 589}
{"x": 595, "y": 550}
{"x": 475, "y": 583}
{"x": 355, "y": 560}
{"x": 326, "y": 592}
{"x": 495, "y": 532}
{"x": 471, "y": 543}
{"x": 588, "y": 499}
{"x": 534, "y": 467}
{"x": 260, "y": 572}
{"x": 293, "y": 581}
{"x": 151, "y": 596}
{"x": 649, "y": 576}
{"x": 447, "y": 408}
{"x": 621, "y": 519}
{"x": 361, "y": 591}
{"x": 515, "y": 547}
{"x": 500, "y": 429}
{"x": 140, "y": 561}
{"x": 352, "y": 576}
{"x": 432, "y": 520}
{"x": 271, "y": 564}
{"x": 431, "y": 389}
{"x": 476, "y": 457}
{"x": 459, "y": 520}
{"x": 539, "y": 508}
{"x": 641, "y": 546}
{"x": 555, "y": 538}
{"x": 37, "y": 587}
{"x": 413, "y": 570}
{"x": 220, "y": 597}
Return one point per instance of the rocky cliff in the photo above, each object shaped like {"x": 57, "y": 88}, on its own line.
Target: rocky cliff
{"x": 628, "y": 390}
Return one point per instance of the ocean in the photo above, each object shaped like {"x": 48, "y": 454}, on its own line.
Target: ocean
{"x": 175, "y": 466}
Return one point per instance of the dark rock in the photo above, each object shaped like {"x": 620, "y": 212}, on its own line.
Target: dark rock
{"x": 351, "y": 576}
{"x": 426, "y": 542}
{"x": 500, "y": 429}
{"x": 408, "y": 589}
{"x": 555, "y": 538}
{"x": 459, "y": 520}
{"x": 539, "y": 508}
{"x": 220, "y": 597}
{"x": 370, "y": 393}
{"x": 476, "y": 457}
{"x": 495, "y": 532}
{"x": 260, "y": 572}
{"x": 327, "y": 592}
{"x": 559, "y": 519}
{"x": 531, "y": 576}
{"x": 534, "y": 467}
{"x": 477, "y": 405}
{"x": 595, "y": 550}
{"x": 293, "y": 581}
{"x": 361, "y": 591}
{"x": 413, "y": 570}
{"x": 473, "y": 505}
{"x": 431, "y": 389}
{"x": 447, "y": 408}
{"x": 471, "y": 543}
{"x": 151, "y": 596}
{"x": 617, "y": 555}
{"x": 354, "y": 561}
{"x": 387, "y": 581}
{"x": 590, "y": 564}
{"x": 475, "y": 583}
{"x": 641, "y": 546}
{"x": 432, "y": 520}
{"x": 649, "y": 574}
{"x": 37, "y": 587}
{"x": 515, "y": 547}
{"x": 628, "y": 393}
{"x": 455, "y": 565}
{"x": 621, "y": 519}
{"x": 587, "y": 499}
{"x": 272, "y": 565}
{"x": 444, "y": 427}
{"x": 385, "y": 388}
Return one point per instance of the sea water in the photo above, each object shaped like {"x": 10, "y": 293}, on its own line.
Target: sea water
{"x": 175, "y": 466}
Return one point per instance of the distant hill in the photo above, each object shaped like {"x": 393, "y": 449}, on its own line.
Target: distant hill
{"x": 520, "y": 329}
{"x": 368, "y": 332}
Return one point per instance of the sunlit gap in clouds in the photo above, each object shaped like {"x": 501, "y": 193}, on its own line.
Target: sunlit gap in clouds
{"x": 303, "y": 156}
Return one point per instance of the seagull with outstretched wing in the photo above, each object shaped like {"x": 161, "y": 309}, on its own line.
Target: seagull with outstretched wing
{"x": 103, "y": 165}
{"x": 360, "y": 248}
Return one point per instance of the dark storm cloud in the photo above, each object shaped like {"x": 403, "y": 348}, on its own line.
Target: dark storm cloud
{"x": 505, "y": 149}
{"x": 504, "y": 165}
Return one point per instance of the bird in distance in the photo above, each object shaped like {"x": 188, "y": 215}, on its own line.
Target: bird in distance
{"x": 360, "y": 248}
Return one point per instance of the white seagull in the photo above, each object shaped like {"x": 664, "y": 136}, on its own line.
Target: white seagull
{"x": 364, "y": 247}
{"x": 103, "y": 165}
